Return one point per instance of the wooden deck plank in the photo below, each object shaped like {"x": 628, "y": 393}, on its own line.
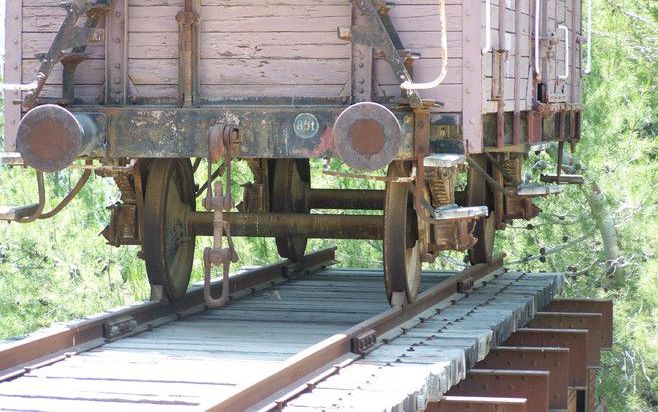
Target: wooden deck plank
{"x": 438, "y": 350}
{"x": 182, "y": 361}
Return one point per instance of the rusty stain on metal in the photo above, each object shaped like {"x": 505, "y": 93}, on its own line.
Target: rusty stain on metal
{"x": 322, "y": 226}
{"x": 531, "y": 385}
{"x": 367, "y": 137}
{"x": 188, "y": 52}
{"x": 221, "y": 142}
{"x": 604, "y": 307}
{"x": 452, "y": 403}
{"x": 50, "y": 137}
{"x": 346, "y": 199}
{"x": 591, "y": 322}
{"x": 573, "y": 339}
{"x": 553, "y": 360}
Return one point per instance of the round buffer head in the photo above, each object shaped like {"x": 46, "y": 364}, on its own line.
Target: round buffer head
{"x": 49, "y": 138}
{"x": 367, "y": 136}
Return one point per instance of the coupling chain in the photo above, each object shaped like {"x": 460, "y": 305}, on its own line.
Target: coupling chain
{"x": 221, "y": 140}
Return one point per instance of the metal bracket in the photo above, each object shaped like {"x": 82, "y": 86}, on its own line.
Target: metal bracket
{"x": 364, "y": 342}
{"x": 116, "y": 70}
{"x": 465, "y": 285}
{"x": 68, "y": 37}
{"x": 375, "y": 33}
{"x": 118, "y": 328}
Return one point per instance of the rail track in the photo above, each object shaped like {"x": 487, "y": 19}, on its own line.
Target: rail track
{"x": 299, "y": 336}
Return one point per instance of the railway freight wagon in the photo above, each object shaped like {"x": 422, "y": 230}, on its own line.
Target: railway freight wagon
{"x": 147, "y": 91}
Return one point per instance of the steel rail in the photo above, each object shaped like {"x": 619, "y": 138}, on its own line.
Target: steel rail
{"x": 337, "y": 346}
{"x": 94, "y": 332}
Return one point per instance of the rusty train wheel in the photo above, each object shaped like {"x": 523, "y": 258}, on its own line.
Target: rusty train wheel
{"x": 291, "y": 183}
{"x": 402, "y": 266}
{"x": 479, "y": 194}
{"x": 168, "y": 247}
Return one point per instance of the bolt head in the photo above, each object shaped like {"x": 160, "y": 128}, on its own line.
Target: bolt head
{"x": 345, "y": 33}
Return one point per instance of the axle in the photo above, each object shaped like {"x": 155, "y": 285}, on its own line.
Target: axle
{"x": 346, "y": 199}
{"x": 278, "y": 224}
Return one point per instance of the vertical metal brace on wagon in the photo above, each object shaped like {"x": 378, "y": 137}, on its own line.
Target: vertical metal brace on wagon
{"x": 188, "y": 52}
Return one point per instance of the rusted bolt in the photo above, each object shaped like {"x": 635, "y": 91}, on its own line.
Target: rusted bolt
{"x": 345, "y": 33}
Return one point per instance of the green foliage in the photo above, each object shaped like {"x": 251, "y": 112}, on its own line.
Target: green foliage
{"x": 60, "y": 269}
{"x": 618, "y": 154}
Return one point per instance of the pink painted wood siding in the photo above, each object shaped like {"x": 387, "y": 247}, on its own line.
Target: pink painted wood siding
{"x": 558, "y": 12}
{"x": 289, "y": 48}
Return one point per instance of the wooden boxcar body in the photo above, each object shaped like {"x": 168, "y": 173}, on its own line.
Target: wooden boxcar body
{"x": 265, "y": 62}
{"x": 427, "y": 88}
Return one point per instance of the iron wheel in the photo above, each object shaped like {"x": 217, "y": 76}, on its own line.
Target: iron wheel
{"x": 168, "y": 247}
{"x": 479, "y": 194}
{"x": 402, "y": 265}
{"x": 291, "y": 183}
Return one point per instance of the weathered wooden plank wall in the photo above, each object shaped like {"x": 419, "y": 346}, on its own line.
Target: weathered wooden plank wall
{"x": 558, "y": 12}
{"x": 274, "y": 49}
{"x": 153, "y": 49}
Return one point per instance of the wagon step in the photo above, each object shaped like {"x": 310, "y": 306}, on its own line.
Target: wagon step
{"x": 537, "y": 189}
{"x": 454, "y": 212}
{"x": 11, "y": 159}
{"x": 444, "y": 160}
{"x": 13, "y": 213}
{"x": 563, "y": 179}
{"x": 541, "y": 146}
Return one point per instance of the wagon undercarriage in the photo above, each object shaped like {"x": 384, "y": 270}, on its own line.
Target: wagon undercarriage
{"x": 278, "y": 113}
